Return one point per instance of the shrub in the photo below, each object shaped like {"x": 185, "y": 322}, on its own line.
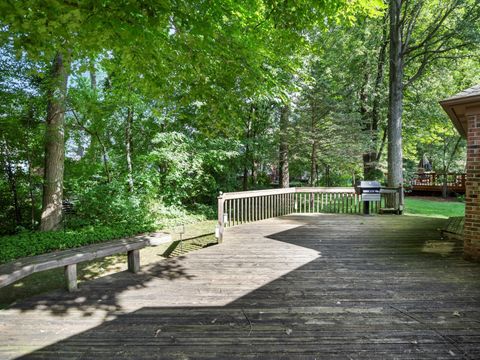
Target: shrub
{"x": 36, "y": 243}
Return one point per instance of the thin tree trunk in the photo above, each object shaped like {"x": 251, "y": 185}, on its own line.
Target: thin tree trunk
{"x": 29, "y": 153}
{"x": 12, "y": 181}
{"x": 445, "y": 185}
{"x": 327, "y": 175}
{"x": 247, "y": 157}
{"x": 284, "y": 177}
{"x": 371, "y": 156}
{"x": 30, "y": 193}
{"x": 254, "y": 173}
{"x": 54, "y": 146}
{"x": 105, "y": 159}
{"x": 395, "y": 106}
{"x": 245, "y": 178}
{"x": 93, "y": 76}
{"x": 313, "y": 164}
{"x": 95, "y": 134}
{"x": 128, "y": 148}
{"x": 313, "y": 155}
{"x": 382, "y": 145}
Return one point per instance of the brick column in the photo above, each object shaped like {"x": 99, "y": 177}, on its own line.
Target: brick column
{"x": 472, "y": 207}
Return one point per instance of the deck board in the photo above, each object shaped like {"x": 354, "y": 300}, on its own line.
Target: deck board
{"x": 296, "y": 287}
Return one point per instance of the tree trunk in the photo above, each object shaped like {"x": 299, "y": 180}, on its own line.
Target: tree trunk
{"x": 245, "y": 178}
{"x": 105, "y": 159}
{"x": 12, "y": 181}
{"x": 284, "y": 177}
{"x": 31, "y": 193}
{"x": 254, "y": 173}
{"x": 327, "y": 175}
{"x": 313, "y": 155}
{"x": 445, "y": 185}
{"x": 128, "y": 148}
{"x": 372, "y": 156}
{"x": 93, "y": 76}
{"x": 313, "y": 164}
{"x": 395, "y": 105}
{"x": 54, "y": 146}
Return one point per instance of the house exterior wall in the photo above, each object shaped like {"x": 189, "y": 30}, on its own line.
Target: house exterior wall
{"x": 472, "y": 206}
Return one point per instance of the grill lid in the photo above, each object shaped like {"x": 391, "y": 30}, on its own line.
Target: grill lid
{"x": 368, "y": 185}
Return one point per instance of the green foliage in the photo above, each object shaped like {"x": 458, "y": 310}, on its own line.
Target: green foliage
{"x": 188, "y": 168}
{"x": 104, "y": 204}
{"x": 200, "y": 85}
{"x": 36, "y": 243}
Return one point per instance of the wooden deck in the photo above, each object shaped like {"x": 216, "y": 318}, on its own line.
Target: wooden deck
{"x": 296, "y": 287}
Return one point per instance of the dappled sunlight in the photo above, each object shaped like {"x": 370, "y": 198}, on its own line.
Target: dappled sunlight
{"x": 335, "y": 282}
{"x": 443, "y": 248}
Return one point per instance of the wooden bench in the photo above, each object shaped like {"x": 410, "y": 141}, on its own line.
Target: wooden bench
{"x": 453, "y": 228}
{"x": 68, "y": 259}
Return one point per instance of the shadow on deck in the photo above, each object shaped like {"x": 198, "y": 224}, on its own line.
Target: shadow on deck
{"x": 300, "y": 286}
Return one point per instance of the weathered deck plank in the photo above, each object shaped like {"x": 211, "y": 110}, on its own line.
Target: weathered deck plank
{"x": 306, "y": 287}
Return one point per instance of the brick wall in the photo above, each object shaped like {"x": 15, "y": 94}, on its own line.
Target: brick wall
{"x": 472, "y": 208}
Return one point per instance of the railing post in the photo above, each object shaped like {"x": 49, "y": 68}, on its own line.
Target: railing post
{"x": 221, "y": 225}
{"x": 401, "y": 199}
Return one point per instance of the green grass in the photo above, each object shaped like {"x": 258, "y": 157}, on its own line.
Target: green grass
{"x": 436, "y": 207}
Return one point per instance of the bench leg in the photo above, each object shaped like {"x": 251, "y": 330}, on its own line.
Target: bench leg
{"x": 71, "y": 277}
{"x": 134, "y": 261}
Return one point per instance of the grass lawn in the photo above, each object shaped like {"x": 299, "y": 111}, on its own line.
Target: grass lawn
{"x": 434, "y": 207}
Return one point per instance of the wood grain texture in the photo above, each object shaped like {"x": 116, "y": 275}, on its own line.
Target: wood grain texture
{"x": 71, "y": 277}
{"x": 18, "y": 269}
{"x": 295, "y": 287}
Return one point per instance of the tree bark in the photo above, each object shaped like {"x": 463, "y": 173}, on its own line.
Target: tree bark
{"x": 246, "y": 160}
{"x": 395, "y": 105}
{"x": 93, "y": 76}
{"x": 128, "y": 148}
{"x": 31, "y": 192}
{"x": 54, "y": 146}
{"x": 372, "y": 155}
{"x": 313, "y": 164}
{"x": 284, "y": 177}
{"x": 12, "y": 181}
{"x": 313, "y": 155}
{"x": 254, "y": 173}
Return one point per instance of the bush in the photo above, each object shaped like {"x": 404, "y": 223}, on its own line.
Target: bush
{"x": 106, "y": 204}
{"x": 36, "y": 243}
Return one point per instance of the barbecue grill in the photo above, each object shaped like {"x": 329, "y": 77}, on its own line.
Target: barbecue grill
{"x": 370, "y": 191}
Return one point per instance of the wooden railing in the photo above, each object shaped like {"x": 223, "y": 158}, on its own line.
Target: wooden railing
{"x": 433, "y": 180}
{"x": 237, "y": 208}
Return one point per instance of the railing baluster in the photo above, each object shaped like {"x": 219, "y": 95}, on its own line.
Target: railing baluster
{"x": 280, "y": 208}
{"x": 240, "y": 211}
{"x": 246, "y": 207}
{"x": 250, "y": 208}
{"x": 269, "y": 208}
{"x": 230, "y": 212}
{"x": 277, "y": 203}
{"x": 264, "y": 215}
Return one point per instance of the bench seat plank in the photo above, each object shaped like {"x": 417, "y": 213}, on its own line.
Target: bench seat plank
{"x": 20, "y": 268}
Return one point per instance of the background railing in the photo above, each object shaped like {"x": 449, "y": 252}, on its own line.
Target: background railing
{"x": 237, "y": 208}
{"x": 431, "y": 179}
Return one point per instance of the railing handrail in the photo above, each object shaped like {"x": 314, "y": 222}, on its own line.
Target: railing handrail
{"x": 324, "y": 189}
{"x": 254, "y": 205}
{"x": 255, "y": 193}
